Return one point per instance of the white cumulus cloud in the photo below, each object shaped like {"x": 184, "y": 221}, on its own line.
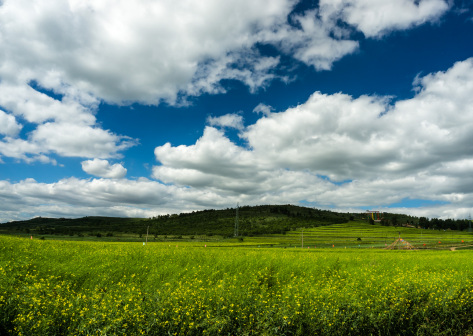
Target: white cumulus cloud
{"x": 87, "y": 52}
{"x": 144, "y": 51}
{"x": 263, "y": 109}
{"x": 147, "y": 51}
{"x": 338, "y": 150}
{"x": 232, "y": 120}
{"x": 333, "y": 150}
{"x": 103, "y": 168}
{"x": 65, "y": 127}
{"x": 377, "y": 17}
{"x": 8, "y": 125}
{"x": 74, "y": 197}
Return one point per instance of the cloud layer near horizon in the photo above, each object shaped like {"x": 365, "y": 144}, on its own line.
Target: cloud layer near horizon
{"x": 332, "y": 151}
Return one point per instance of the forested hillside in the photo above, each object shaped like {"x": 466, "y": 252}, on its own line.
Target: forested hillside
{"x": 252, "y": 221}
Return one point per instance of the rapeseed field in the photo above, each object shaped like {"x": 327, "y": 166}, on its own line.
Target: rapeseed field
{"x": 94, "y": 288}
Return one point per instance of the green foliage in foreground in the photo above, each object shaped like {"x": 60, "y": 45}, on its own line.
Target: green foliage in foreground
{"x": 85, "y": 288}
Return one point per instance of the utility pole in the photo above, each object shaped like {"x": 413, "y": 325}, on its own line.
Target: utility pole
{"x": 236, "y": 222}
{"x": 147, "y": 230}
{"x": 302, "y": 238}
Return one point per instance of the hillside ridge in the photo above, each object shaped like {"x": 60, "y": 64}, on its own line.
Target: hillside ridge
{"x": 252, "y": 221}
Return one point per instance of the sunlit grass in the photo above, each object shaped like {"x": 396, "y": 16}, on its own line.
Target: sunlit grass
{"x": 93, "y": 288}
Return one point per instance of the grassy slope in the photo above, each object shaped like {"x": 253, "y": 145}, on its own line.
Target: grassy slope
{"x": 92, "y": 288}
{"x": 352, "y": 234}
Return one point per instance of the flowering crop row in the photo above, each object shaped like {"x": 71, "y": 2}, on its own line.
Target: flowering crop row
{"x": 84, "y": 288}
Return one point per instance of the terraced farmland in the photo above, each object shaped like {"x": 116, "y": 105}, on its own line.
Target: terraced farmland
{"x": 363, "y": 235}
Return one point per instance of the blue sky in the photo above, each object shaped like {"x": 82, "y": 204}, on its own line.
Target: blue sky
{"x": 119, "y": 109}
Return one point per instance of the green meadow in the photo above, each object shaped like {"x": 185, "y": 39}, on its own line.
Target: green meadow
{"x": 330, "y": 280}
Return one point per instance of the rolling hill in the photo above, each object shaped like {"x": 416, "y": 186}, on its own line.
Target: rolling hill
{"x": 252, "y": 221}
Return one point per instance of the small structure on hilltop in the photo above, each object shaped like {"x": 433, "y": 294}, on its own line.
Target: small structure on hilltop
{"x": 400, "y": 244}
{"x": 374, "y": 215}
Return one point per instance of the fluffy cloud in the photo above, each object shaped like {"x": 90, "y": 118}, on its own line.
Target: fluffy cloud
{"x": 68, "y": 139}
{"x": 102, "y": 168}
{"x": 8, "y": 125}
{"x": 36, "y": 107}
{"x": 350, "y": 151}
{"x": 348, "y": 138}
{"x": 227, "y": 159}
{"x": 65, "y": 127}
{"x": 332, "y": 134}
{"x": 152, "y": 51}
{"x": 22, "y": 149}
{"x": 109, "y": 197}
{"x": 228, "y": 120}
{"x": 375, "y": 18}
{"x": 122, "y": 52}
{"x": 86, "y": 52}
{"x": 263, "y": 109}
{"x": 312, "y": 42}
{"x": 332, "y": 151}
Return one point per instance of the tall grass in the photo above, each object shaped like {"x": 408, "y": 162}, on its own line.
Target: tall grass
{"x": 85, "y": 288}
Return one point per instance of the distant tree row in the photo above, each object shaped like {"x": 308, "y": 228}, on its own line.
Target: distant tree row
{"x": 444, "y": 224}
{"x": 423, "y": 222}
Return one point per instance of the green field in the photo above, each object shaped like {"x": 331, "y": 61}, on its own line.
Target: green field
{"x": 361, "y": 234}
{"x": 259, "y": 286}
{"x": 353, "y": 234}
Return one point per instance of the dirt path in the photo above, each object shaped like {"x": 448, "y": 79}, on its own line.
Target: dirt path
{"x": 454, "y": 248}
